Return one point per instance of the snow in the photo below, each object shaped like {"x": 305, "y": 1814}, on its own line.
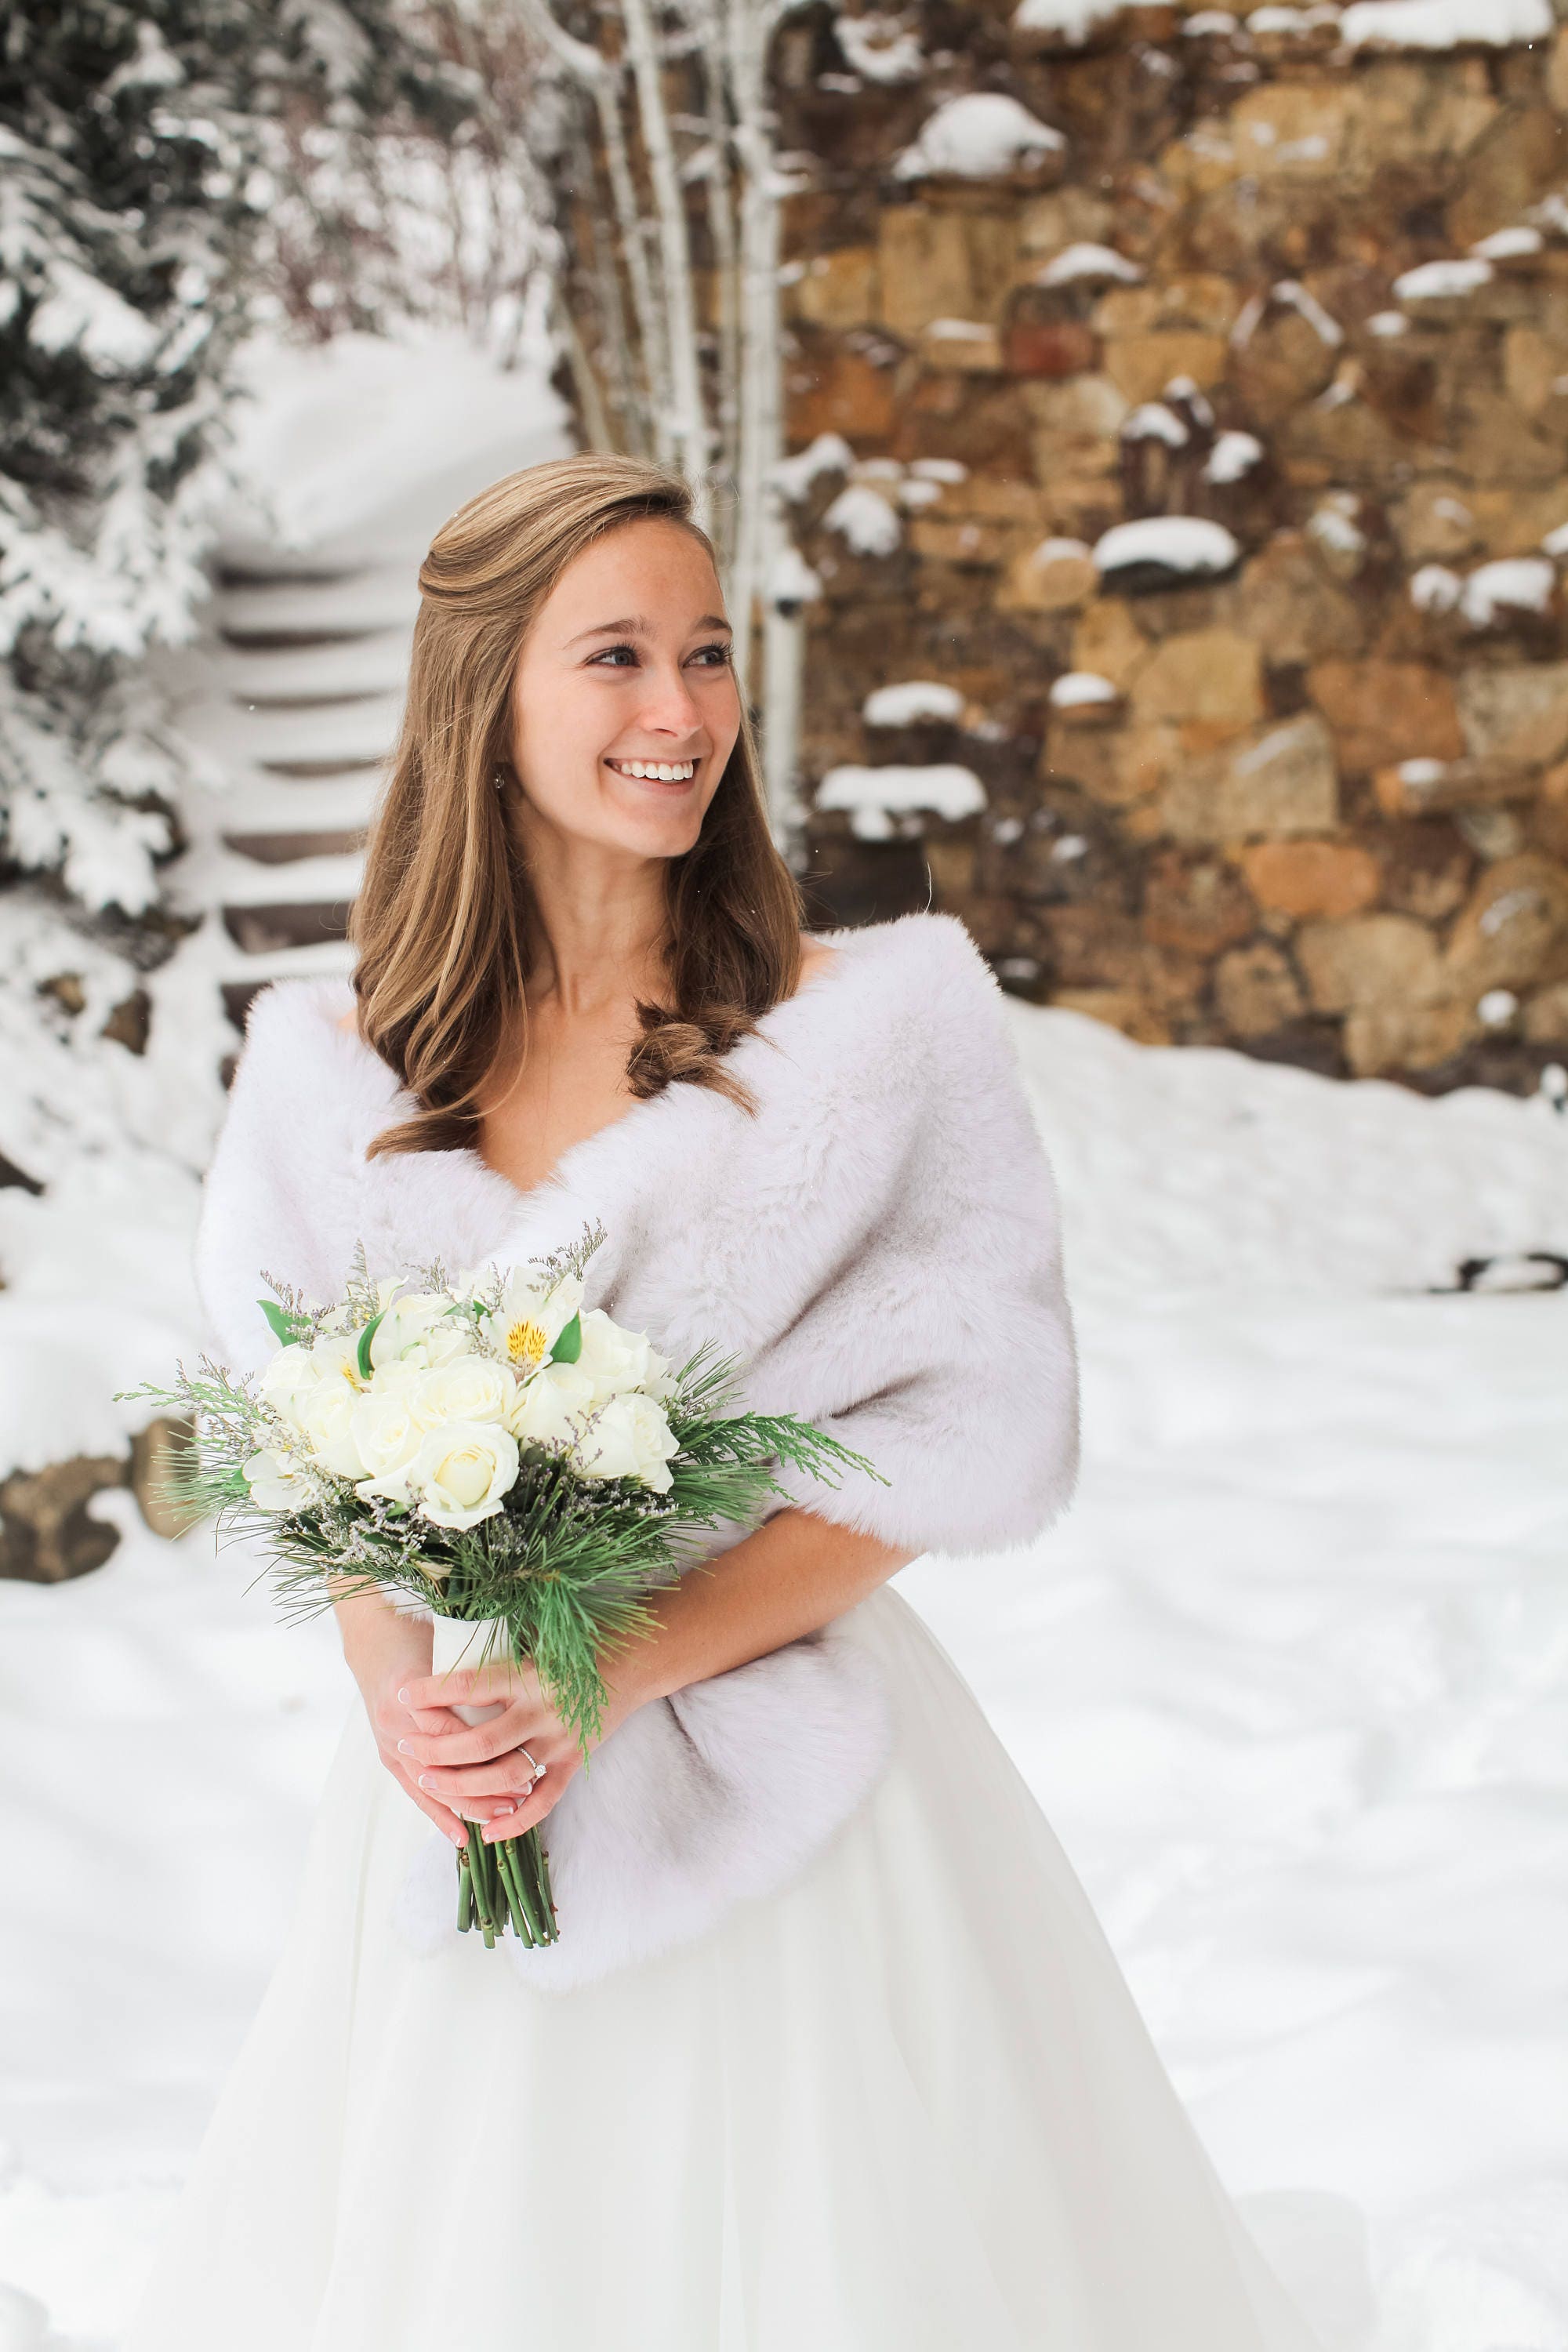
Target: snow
{"x": 1233, "y": 457}
{"x": 1498, "y": 1007}
{"x": 1090, "y": 264}
{"x": 1435, "y": 589}
{"x": 791, "y": 580}
{"x": 1555, "y": 542}
{"x": 1153, "y": 421}
{"x": 977, "y": 137}
{"x": 879, "y": 48}
{"x": 1214, "y": 23}
{"x": 1508, "y": 244}
{"x": 828, "y": 453}
{"x": 866, "y": 520}
{"x": 1074, "y": 20}
{"x": 1445, "y": 23}
{"x": 917, "y": 698}
{"x": 1388, "y": 323}
{"x": 1078, "y": 688}
{"x": 1517, "y": 583}
{"x": 1287, "y": 1682}
{"x": 939, "y": 469}
{"x": 1296, "y": 23}
{"x": 1334, "y": 526}
{"x": 946, "y": 790}
{"x": 1182, "y": 543}
{"x": 1443, "y": 281}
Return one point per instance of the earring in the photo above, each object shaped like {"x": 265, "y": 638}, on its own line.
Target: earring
{"x": 500, "y": 779}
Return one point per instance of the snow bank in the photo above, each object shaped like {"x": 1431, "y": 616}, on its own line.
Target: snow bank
{"x": 1089, "y": 264}
{"x": 828, "y": 453}
{"x": 1445, "y": 23}
{"x": 1232, "y": 458}
{"x": 978, "y": 137}
{"x": 1443, "y": 281}
{"x": 1153, "y": 421}
{"x": 865, "y": 521}
{"x": 1077, "y": 689}
{"x": 1073, "y": 20}
{"x": 917, "y": 698}
{"x": 1177, "y": 543}
{"x": 1516, "y": 583}
{"x": 879, "y": 48}
{"x": 944, "y": 789}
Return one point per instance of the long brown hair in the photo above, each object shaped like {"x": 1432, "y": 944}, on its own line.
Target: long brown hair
{"x": 444, "y": 921}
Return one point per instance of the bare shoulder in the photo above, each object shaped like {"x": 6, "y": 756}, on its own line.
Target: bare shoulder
{"x": 814, "y": 958}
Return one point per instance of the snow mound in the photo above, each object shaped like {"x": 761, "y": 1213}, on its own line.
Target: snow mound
{"x": 1443, "y": 281}
{"x": 1089, "y": 264}
{"x": 944, "y": 789}
{"x": 980, "y": 136}
{"x": 1071, "y": 20}
{"x": 1233, "y": 457}
{"x": 1515, "y": 583}
{"x": 915, "y": 698}
{"x": 1183, "y": 546}
{"x": 1077, "y": 689}
{"x": 1445, "y": 23}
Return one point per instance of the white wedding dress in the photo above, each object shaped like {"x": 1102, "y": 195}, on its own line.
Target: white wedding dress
{"x": 905, "y": 2105}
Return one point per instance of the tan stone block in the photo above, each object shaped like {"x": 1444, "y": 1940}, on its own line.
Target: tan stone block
{"x": 1381, "y": 711}
{"x": 1193, "y": 299}
{"x": 842, "y": 392}
{"x": 1140, "y": 366}
{"x": 1086, "y": 407}
{"x": 1291, "y": 130}
{"x": 1518, "y": 712}
{"x": 1209, "y": 675}
{"x": 1280, "y": 780}
{"x": 937, "y": 263}
{"x": 1513, "y": 932}
{"x": 1127, "y": 1009}
{"x": 1557, "y": 72}
{"x": 1109, "y": 642}
{"x": 966, "y": 346}
{"x": 1534, "y": 369}
{"x": 1435, "y": 522}
{"x": 1255, "y": 991}
{"x": 958, "y": 541}
{"x": 838, "y": 289}
{"x": 1401, "y": 1036}
{"x": 1282, "y": 361}
{"x": 1194, "y": 905}
{"x": 1069, "y": 216}
{"x": 1286, "y": 600}
{"x": 1116, "y": 765}
{"x": 1304, "y": 878}
{"x": 1411, "y": 109}
{"x": 1038, "y": 582}
{"x": 1544, "y": 1017}
{"x": 1368, "y": 959}
{"x": 1516, "y": 160}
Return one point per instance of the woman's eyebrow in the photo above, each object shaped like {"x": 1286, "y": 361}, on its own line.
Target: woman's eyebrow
{"x": 636, "y": 627}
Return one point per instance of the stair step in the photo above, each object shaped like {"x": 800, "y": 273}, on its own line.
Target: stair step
{"x": 288, "y": 848}
{"x": 286, "y": 923}
{"x": 338, "y": 670}
{"x": 272, "y": 804}
{"x": 301, "y": 614}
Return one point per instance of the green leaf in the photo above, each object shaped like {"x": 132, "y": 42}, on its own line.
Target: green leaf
{"x": 365, "y": 1337}
{"x": 569, "y": 1346}
{"x": 286, "y": 1327}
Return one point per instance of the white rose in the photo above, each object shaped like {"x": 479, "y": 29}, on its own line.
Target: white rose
{"x": 419, "y": 1330}
{"x": 551, "y": 1408}
{"x": 326, "y": 1419}
{"x": 629, "y": 1437}
{"x": 618, "y": 1359}
{"x": 288, "y": 1379}
{"x": 473, "y": 1388}
{"x": 530, "y": 1319}
{"x": 276, "y": 1483}
{"x": 461, "y": 1472}
{"x": 388, "y": 1436}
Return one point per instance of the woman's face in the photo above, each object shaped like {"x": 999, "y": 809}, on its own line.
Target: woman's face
{"x": 628, "y": 667}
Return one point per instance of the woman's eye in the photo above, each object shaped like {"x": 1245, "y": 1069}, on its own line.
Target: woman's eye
{"x": 714, "y": 656}
{"x": 606, "y": 652}
{"x": 721, "y": 655}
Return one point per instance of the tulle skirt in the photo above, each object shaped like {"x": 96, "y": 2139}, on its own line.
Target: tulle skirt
{"x": 907, "y": 2104}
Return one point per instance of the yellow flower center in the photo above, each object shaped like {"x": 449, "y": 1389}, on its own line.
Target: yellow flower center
{"x": 527, "y": 1344}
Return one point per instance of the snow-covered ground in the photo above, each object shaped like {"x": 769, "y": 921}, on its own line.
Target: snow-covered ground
{"x": 1288, "y": 1681}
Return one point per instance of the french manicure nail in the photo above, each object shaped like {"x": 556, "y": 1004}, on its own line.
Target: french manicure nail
{"x": 403, "y": 1748}
{"x": 425, "y": 1780}
{"x": 403, "y": 1697}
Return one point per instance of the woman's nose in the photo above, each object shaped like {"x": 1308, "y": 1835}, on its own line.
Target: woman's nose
{"x": 668, "y": 704}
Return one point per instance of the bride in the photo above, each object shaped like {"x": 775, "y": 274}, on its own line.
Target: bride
{"x": 831, "y": 2050}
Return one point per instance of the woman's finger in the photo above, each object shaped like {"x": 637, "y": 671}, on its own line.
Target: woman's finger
{"x": 507, "y": 1777}
{"x": 479, "y": 1743}
{"x": 469, "y": 1686}
{"x": 530, "y": 1813}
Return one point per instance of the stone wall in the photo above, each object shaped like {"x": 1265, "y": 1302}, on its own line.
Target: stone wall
{"x": 1293, "y": 774}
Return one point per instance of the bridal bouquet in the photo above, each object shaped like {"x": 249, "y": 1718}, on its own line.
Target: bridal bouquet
{"x": 485, "y": 1449}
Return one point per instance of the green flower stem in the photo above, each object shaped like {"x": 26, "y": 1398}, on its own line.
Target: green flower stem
{"x": 521, "y": 1918}
{"x": 524, "y": 1862}
{"x": 465, "y": 1892}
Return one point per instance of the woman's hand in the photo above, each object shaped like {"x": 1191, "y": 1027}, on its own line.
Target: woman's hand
{"x": 479, "y": 1770}
{"x": 384, "y": 1649}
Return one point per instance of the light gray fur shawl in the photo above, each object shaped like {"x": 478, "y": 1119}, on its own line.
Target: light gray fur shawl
{"x": 879, "y": 1244}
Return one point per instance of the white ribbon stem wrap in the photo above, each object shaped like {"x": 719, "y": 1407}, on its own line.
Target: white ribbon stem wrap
{"x": 476, "y": 1644}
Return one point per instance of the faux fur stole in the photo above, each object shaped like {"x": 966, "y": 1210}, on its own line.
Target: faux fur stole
{"x": 879, "y": 1244}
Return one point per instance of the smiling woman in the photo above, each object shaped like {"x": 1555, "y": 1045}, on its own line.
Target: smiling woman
{"x": 588, "y": 571}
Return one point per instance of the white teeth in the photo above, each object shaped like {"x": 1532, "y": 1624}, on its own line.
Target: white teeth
{"x": 660, "y": 771}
